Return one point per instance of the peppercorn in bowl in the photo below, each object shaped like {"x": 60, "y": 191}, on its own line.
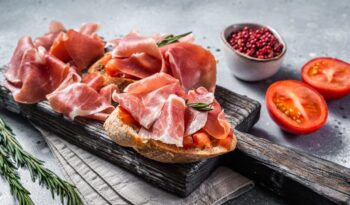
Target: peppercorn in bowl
{"x": 252, "y": 51}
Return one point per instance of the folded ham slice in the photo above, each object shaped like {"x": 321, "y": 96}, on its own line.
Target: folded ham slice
{"x": 73, "y": 98}
{"x": 217, "y": 124}
{"x": 169, "y": 127}
{"x": 151, "y": 83}
{"x": 196, "y": 120}
{"x": 32, "y": 73}
{"x": 47, "y": 39}
{"x": 145, "y": 98}
{"x": 193, "y": 65}
{"x": 136, "y": 56}
{"x": 82, "y": 48}
{"x": 94, "y": 80}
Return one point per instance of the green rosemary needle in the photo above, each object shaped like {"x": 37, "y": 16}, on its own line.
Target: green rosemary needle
{"x": 171, "y": 39}
{"x": 9, "y": 172}
{"x": 201, "y": 106}
{"x": 46, "y": 177}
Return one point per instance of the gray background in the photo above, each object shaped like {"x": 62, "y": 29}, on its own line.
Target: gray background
{"x": 310, "y": 29}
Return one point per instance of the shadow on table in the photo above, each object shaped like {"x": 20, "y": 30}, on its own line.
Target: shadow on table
{"x": 321, "y": 143}
{"x": 261, "y": 86}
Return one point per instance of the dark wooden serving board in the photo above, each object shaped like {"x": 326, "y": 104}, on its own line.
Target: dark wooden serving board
{"x": 287, "y": 172}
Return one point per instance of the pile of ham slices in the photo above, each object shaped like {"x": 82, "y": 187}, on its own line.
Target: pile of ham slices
{"x": 160, "y": 106}
{"x": 167, "y": 77}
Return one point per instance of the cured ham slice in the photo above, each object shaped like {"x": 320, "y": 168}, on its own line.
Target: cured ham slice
{"x": 94, "y": 80}
{"x": 107, "y": 92}
{"x": 58, "y": 48}
{"x": 136, "y": 56}
{"x": 47, "y": 39}
{"x": 89, "y": 29}
{"x": 169, "y": 127}
{"x": 217, "y": 125}
{"x": 82, "y": 48}
{"x": 151, "y": 83}
{"x": 73, "y": 98}
{"x": 33, "y": 73}
{"x": 196, "y": 120}
{"x": 193, "y": 65}
{"x": 147, "y": 97}
{"x": 13, "y": 73}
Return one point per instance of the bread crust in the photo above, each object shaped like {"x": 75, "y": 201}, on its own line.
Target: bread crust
{"x": 127, "y": 136}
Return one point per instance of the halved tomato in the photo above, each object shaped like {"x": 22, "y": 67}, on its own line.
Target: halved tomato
{"x": 329, "y": 76}
{"x": 296, "y": 107}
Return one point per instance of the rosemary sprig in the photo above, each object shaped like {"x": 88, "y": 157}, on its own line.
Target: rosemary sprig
{"x": 201, "y": 106}
{"x": 171, "y": 39}
{"x": 9, "y": 172}
{"x": 46, "y": 177}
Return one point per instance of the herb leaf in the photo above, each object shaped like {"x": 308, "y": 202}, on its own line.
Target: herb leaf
{"x": 171, "y": 39}
{"x": 9, "y": 145}
{"x": 201, "y": 106}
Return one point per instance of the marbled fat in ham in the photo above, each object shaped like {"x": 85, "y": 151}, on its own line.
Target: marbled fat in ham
{"x": 94, "y": 80}
{"x": 170, "y": 125}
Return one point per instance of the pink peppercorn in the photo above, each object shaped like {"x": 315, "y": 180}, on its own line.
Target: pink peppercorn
{"x": 258, "y": 43}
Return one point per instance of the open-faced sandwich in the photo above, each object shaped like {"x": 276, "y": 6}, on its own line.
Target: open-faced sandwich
{"x": 160, "y": 120}
{"x": 164, "y": 86}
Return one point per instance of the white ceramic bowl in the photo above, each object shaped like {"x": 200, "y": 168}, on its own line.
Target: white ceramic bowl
{"x": 245, "y": 67}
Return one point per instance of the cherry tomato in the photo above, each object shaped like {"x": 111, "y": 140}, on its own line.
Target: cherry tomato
{"x": 296, "y": 107}
{"x": 329, "y": 76}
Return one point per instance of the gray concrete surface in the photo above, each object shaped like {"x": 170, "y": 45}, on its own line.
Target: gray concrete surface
{"x": 310, "y": 29}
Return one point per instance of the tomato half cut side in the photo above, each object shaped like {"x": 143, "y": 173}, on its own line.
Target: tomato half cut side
{"x": 329, "y": 76}
{"x": 296, "y": 107}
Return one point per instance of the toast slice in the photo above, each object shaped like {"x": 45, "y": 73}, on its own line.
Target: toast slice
{"x": 126, "y": 135}
{"x": 120, "y": 82}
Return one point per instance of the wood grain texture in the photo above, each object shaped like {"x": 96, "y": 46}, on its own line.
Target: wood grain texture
{"x": 287, "y": 172}
{"x": 293, "y": 174}
{"x": 180, "y": 179}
